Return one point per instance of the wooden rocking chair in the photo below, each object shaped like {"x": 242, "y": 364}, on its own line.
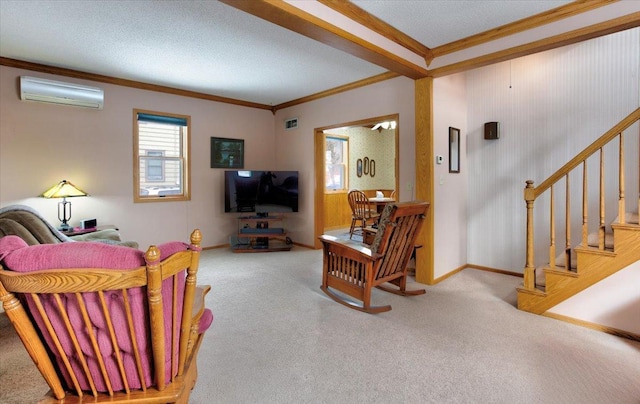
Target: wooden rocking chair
{"x": 354, "y": 270}
{"x": 106, "y": 323}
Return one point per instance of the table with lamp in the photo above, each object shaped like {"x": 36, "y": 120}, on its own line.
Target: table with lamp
{"x": 65, "y": 189}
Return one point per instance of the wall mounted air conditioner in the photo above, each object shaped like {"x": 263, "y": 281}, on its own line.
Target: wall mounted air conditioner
{"x": 57, "y": 92}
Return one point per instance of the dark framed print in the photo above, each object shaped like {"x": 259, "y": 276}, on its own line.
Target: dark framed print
{"x": 227, "y": 153}
{"x": 365, "y": 166}
{"x": 372, "y": 168}
{"x": 454, "y": 150}
{"x": 359, "y": 167}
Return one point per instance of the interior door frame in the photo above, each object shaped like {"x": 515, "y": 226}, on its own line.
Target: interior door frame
{"x": 319, "y": 157}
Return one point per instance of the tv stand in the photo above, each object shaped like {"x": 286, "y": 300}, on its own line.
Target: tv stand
{"x": 261, "y": 233}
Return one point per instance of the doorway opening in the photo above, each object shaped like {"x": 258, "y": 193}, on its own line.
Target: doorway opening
{"x": 371, "y": 164}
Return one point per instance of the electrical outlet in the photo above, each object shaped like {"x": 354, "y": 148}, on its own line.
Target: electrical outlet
{"x": 410, "y": 186}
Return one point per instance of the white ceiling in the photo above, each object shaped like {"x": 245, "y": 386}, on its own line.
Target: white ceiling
{"x": 213, "y": 48}
{"x": 438, "y": 22}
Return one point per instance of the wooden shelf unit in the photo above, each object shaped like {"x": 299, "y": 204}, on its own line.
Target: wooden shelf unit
{"x": 258, "y": 234}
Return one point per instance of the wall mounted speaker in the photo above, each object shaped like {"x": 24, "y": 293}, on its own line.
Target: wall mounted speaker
{"x": 492, "y": 130}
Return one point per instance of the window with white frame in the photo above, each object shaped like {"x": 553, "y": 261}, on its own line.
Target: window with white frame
{"x": 161, "y": 156}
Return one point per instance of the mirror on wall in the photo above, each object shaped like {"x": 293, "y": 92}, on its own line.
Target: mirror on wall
{"x": 454, "y": 150}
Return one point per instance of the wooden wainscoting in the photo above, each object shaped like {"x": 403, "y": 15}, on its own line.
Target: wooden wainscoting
{"x": 337, "y": 213}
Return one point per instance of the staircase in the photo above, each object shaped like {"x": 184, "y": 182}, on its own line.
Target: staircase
{"x": 598, "y": 254}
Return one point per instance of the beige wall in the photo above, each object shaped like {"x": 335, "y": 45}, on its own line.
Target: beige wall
{"x": 296, "y": 147}
{"x": 550, "y": 106}
{"x": 450, "y": 190}
{"x": 41, "y": 144}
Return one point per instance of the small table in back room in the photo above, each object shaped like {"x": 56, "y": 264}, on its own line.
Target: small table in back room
{"x": 380, "y": 203}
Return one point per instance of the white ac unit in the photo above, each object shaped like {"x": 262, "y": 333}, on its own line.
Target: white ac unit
{"x": 57, "y": 92}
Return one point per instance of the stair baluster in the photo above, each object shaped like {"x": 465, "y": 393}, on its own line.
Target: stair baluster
{"x": 552, "y": 231}
{"x": 585, "y": 206}
{"x": 567, "y": 225}
{"x": 601, "y": 227}
{"x": 621, "y": 211}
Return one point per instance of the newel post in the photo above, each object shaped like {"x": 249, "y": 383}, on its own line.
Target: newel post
{"x": 529, "y": 269}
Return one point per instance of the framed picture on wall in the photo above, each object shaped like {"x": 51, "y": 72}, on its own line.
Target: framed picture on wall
{"x": 359, "y": 167}
{"x": 227, "y": 153}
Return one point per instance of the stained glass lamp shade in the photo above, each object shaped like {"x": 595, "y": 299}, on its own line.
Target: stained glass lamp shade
{"x": 64, "y": 189}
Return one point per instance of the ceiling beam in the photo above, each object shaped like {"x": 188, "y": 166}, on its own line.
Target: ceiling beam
{"x": 294, "y": 19}
{"x": 347, "y": 87}
{"x": 522, "y": 25}
{"x": 583, "y": 34}
{"x": 379, "y": 26}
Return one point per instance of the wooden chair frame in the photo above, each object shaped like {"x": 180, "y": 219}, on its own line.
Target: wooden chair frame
{"x": 355, "y": 269}
{"x": 361, "y": 211}
{"x": 78, "y": 282}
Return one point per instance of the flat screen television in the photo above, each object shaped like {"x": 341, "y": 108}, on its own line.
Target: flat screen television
{"x": 262, "y": 192}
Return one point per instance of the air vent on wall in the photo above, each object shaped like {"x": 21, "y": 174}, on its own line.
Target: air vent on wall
{"x": 57, "y": 92}
{"x": 291, "y": 123}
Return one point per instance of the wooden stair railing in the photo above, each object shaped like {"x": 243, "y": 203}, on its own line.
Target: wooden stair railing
{"x": 532, "y": 193}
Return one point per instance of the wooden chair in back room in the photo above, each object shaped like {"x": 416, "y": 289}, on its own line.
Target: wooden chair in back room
{"x": 362, "y": 211}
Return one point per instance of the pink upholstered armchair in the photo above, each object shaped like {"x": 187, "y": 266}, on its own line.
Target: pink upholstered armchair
{"x": 108, "y": 321}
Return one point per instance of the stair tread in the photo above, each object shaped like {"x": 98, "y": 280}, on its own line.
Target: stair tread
{"x": 562, "y": 258}
{"x": 629, "y": 218}
{"x": 593, "y": 240}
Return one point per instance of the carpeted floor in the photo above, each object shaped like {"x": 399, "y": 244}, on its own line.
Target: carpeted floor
{"x": 277, "y": 338}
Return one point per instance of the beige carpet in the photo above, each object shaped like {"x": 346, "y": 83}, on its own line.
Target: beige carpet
{"x": 277, "y": 338}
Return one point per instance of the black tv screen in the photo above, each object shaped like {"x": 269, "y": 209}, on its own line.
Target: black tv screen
{"x": 260, "y": 191}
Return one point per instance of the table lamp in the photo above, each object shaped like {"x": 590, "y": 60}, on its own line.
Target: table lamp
{"x": 64, "y": 189}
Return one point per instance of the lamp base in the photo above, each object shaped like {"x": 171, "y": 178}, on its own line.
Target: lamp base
{"x": 65, "y": 227}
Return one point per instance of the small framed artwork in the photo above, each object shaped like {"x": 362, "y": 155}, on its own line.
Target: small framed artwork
{"x": 372, "y": 168}
{"x": 227, "y": 153}
{"x": 359, "y": 167}
{"x": 365, "y": 166}
{"x": 454, "y": 150}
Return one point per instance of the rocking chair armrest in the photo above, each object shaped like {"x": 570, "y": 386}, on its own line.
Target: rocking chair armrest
{"x": 349, "y": 248}
{"x": 198, "y": 301}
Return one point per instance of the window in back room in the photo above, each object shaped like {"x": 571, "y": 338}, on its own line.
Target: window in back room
{"x": 336, "y": 163}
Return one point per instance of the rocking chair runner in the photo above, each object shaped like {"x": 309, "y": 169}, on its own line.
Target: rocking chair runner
{"x": 355, "y": 270}
{"x": 108, "y": 322}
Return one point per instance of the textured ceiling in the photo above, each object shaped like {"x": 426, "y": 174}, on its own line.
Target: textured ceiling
{"x": 438, "y": 22}
{"x": 212, "y": 48}
{"x": 204, "y": 46}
